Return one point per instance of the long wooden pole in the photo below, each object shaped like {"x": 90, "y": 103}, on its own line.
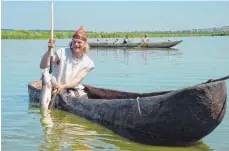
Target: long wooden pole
{"x": 52, "y": 19}
{"x": 51, "y": 59}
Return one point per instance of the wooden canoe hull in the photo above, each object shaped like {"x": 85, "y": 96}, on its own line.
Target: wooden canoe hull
{"x": 168, "y": 44}
{"x": 182, "y": 116}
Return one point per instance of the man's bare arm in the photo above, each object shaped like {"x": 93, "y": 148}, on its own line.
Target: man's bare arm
{"x": 45, "y": 61}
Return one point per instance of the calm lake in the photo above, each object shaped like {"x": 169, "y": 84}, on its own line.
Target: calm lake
{"x": 195, "y": 60}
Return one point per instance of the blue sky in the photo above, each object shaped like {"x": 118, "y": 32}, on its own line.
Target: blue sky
{"x": 116, "y": 15}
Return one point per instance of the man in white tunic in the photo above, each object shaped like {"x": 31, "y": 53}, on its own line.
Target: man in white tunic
{"x": 72, "y": 64}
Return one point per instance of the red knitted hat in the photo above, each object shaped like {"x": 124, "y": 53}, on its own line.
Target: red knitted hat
{"x": 80, "y": 34}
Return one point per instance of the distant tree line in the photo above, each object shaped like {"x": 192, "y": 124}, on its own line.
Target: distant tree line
{"x": 25, "y": 34}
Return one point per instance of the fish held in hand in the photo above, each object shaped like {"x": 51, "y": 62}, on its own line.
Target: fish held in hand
{"x": 48, "y": 81}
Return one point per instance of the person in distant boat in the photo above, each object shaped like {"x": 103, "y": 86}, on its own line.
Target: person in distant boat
{"x": 71, "y": 65}
{"x": 106, "y": 40}
{"x": 97, "y": 40}
{"x": 145, "y": 39}
{"x": 126, "y": 40}
{"x": 116, "y": 41}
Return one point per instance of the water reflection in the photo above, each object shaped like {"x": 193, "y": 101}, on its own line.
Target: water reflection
{"x": 145, "y": 54}
{"x": 65, "y": 131}
{"x": 134, "y": 49}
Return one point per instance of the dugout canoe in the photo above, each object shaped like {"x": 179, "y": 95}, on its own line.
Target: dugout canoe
{"x": 168, "y": 117}
{"x": 167, "y": 44}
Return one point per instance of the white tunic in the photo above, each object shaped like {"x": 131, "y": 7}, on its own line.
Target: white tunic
{"x": 69, "y": 66}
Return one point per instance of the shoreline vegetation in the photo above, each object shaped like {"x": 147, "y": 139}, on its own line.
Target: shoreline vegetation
{"x": 24, "y": 34}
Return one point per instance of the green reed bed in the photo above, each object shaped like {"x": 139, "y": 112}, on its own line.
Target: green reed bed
{"x": 23, "y": 34}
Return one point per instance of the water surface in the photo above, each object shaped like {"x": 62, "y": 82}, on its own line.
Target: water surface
{"x": 195, "y": 60}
